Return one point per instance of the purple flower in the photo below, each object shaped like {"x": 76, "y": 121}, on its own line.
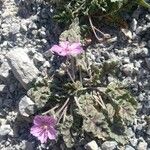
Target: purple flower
{"x": 43, "y": 128}
{"x": 67, "y": 49}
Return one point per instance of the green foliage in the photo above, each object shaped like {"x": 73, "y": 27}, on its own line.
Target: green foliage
{"x": 68, "y": 10}
{"x": 40, "y": 92}
{"x": 100, "y": 11}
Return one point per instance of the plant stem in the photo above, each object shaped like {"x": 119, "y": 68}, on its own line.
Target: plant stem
{"x": 64, "y": 105}
{"x": 106, "y": 36}
{"x": 50, "y": 110}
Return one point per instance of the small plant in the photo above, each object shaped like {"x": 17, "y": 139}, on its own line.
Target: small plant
{"x": 82, "y": 104}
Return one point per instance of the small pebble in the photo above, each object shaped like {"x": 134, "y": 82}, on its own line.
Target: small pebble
{"x": 91, "y": 146}
{"x": 109, "y": 145}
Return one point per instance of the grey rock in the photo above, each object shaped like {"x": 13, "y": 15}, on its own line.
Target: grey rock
{"x": 148, "y": 130}
{"x": 46, "y": 64}
{"x": 139, "y": 30}
{"x": 126, "y": 60}
{"x": 91, "y": 146}
{"x": 130, "y": 132}
{"x": 128, "y": 69}
{"x": 14, "y": 28}
{"x": 148, "y": 44}
{"x": 144, "y": 52}
{"x": 136, "y": 13}
{"x": 147, "y": 17}
{"x": 142, "y": 145}
{"x": 5, "y": 130}
{"x": 134, "y": 24}
{"x": 29, "y": 145}
{"x": 134, "y": 142}
{"x": 2, "y": 88}
{"x": 22, "y": 67}
{"x": 140, "y": 52}
{"x": 38, "y": 59}
{"x": 128, "y": 147}
{"x": 4, "y": 70}
{"x": 26, "y": 106}
{"x": 127, "y": 33}
{"x": 109, "y": 145}
{"x": 147, "y": 60}
{"x": 8, "y": 103}
{"x": 1, "y": 101}
{"x": 2, "y": 121}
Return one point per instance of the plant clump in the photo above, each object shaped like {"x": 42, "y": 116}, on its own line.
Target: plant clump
{"x": 83, "y": 105}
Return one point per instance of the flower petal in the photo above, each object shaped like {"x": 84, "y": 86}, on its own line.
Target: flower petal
{"x": 56, "y": 49}
{"x": 59, "y": 50}
{"x": 43, "y": 137}
{"x": 64, "y": 45}
{"x": 50, "y": 121}
{"x": 52, "y": 134}
{"x": 36, "y": 130}
{"x": 75, "y": 48}
{"x": 38, "y": 120}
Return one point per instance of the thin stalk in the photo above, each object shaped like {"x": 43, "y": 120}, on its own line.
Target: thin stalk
{"x": 72, "y": 67}
{"x": 61, "y": 115}
{"x": 70, "y": 76}
{"x": 94, "y": 29}
{"x": 80, "y": 75}
{"x": 64, "y": 105}
{"x": 50, "y": 110}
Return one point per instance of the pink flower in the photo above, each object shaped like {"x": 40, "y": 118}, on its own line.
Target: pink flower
{"x": 43, "y": 128}
{"x": 67, "y": 49}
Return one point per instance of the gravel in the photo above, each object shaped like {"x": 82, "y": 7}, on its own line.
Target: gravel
{"x": 27, "y": 31}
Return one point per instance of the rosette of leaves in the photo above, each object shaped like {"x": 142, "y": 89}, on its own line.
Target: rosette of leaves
{"x": 105, "y": 117}
{"x": 100, "y": 112}
{"x": 40, "y": 92}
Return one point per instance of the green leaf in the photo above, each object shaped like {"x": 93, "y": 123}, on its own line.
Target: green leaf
{"x": 143, "y": 3}
{"x": 64, "y": 129}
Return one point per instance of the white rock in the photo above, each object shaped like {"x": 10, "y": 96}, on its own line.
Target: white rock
{"x": 2, "y": 121}
{"x": 46, "y": 64}
{"x": 142, "y": 145}
{"x": 91, "y": 146}
{"x": 127, "y": 33}
{"x": 2, "y": 87}
{"x": 134, "y": 24}
{"x": 38, "y": 59}
{"x": 128, "y": 69}
{"x": 22, "y": 67}
{"x": 4, "y": 70}
{"x": 26, "y": 106}
{"x": 5, "y": 130}
{"x": 109, "y": 145}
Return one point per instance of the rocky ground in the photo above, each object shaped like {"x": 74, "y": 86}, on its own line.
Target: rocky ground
{"x": 27, "y": 31}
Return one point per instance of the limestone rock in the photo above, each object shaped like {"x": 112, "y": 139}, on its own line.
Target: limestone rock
{"x": 91, "y": 146}
{"x": 26, "y": 106}
{"x": 22, "y": 67}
